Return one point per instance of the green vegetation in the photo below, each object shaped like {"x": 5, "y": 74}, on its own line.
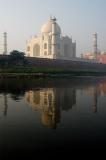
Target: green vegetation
{"x": 15, "y": 58}
{"x": 44, "y": 72}
{"x": 16, "y": 65}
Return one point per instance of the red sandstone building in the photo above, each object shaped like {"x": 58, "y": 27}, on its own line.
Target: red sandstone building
{"x": 102, "y": 58}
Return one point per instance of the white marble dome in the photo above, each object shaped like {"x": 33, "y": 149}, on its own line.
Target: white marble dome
{"x": 47, "y": 27}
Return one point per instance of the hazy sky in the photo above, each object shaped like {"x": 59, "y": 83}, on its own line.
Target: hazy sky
{"x": 78, "y": 18}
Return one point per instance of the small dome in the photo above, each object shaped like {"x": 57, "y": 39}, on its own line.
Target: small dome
{"x": 47, "y": 27}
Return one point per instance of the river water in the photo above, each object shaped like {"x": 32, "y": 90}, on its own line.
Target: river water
{"x": 52, "y": 113}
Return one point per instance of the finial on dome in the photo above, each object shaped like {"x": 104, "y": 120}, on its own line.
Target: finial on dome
{"x": 53, "y": 18}
{"x": 47, "y": 27}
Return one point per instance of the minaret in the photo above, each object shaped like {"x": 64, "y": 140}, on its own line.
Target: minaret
{"x": 54, "y": 38}
{"x": 5, "y": 43}
{"x": 95, "y": 49}
{"x": 74, "y": 49}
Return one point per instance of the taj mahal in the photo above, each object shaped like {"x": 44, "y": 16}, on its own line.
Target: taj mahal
{"x": 51, "y": 43}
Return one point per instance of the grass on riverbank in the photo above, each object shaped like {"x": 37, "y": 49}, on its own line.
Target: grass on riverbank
{"x": 35, "y": 71}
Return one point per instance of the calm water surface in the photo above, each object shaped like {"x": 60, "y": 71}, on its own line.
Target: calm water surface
{"x": 46, "y": 114}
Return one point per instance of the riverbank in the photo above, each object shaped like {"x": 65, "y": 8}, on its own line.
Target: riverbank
{"x": 34, "y": 72}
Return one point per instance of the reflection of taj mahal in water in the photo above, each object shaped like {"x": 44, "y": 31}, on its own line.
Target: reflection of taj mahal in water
{"x": 44, "y": 101}
{"x": 52, "y": 101}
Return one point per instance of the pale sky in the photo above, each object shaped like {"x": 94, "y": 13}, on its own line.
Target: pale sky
{"x": 22, "y": 19}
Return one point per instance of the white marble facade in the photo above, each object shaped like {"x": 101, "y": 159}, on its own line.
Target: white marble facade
{"x": 51, "y": 44}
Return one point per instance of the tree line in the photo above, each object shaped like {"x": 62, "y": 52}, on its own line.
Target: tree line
{"x": 16, "y": 58}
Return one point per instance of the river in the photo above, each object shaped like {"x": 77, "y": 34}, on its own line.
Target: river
{"x": 43, "y": 114}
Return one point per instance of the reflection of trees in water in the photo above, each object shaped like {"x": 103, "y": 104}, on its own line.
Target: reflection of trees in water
{"x": 16, "y": 97}
{"x": 4, "y": 104}
{"x": 14, "y": 87}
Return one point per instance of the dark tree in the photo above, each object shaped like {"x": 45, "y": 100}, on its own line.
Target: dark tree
{"x": 17, "y": 58}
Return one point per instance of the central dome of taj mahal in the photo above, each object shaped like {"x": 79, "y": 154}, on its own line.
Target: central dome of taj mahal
{"x": 47, "y": 27}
